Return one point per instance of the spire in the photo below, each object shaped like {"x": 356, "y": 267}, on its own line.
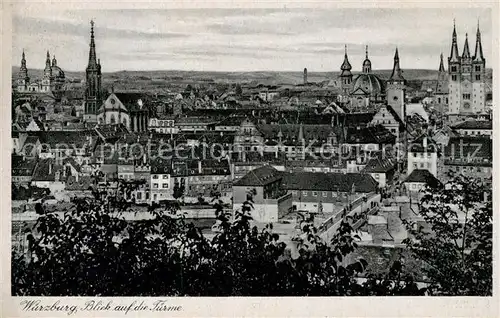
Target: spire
{"x": 346, "y": 66}
{"x": 54, "y": 61}
{"x": 23, "y": 71}
{"x": 47, "y": 61}
{"x": 367, "y": 64}
{"x": 454, "y": 47}
{"x": 92, "y": 53}
{"x": 441, "y": 64}
{"x": 478, "y": 53}
{"x": 466, "y": 53}
{"x": 397, "y": 74}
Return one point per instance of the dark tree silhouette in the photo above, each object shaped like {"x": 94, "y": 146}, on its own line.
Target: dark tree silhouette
{"x": 455, "y": 239}
{"x": 94, "y": 251}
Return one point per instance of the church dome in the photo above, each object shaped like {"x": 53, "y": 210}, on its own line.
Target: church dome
{"x": 57, "y": 72}
{"x": 370, "y": 83}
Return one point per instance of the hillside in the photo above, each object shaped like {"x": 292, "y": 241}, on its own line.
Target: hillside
{"x": 264, "y": 77}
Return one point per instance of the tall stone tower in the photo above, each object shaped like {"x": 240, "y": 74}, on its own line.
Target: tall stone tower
{"x": 478, "y": 76}
{"x": 346, "y": 76}
{"x": 47, "y": 75}
{"x": 395, "y": 90}
{"x": 93, "y": 98}
{"x": 305, "y": 76}
{"x": 442, "y": 77}
{"x": 466, "y": 92}
{"x": 23, "y": 79}
{"x": 454, "y": 89}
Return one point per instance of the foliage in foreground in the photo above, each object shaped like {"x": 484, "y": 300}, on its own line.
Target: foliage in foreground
{"x": 456, "y": 239}
{"x": 93, "y": 251}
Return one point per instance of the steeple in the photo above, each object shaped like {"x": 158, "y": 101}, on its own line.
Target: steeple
{"x": 397, "y": 74}
{"x": 466, "y": 53}
{"x": 93, "y": 95}
{"x": 346, "y": 66}
{"x": 54, "y": 61}
{"x": 23, "y": 71}
{"x": 47, "y": 72}
{"x": 478, "y": 53}
{"x": 367, "y": 64}
{"x": 454, "y": 46}
{"x": 92, "y": 53}
{"x": 441, "y": 64}
{"x": 47, "y": 60}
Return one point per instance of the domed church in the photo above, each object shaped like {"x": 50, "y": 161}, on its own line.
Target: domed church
{"x": 365, "y": 89}
{"x": 52, "y": 82}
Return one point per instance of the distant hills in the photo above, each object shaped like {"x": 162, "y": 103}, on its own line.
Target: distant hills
{"x": 264, "y": 77}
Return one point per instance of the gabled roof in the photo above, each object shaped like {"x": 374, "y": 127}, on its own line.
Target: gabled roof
{"x": 259, "y": 177}
{"x": 379, "y": 165}
{"x": 423, "y": 143}
{"x": 423, "y": 176}
{"x": 319, "y": 181}
{"x": 370, "y": 135}
{"x": 474, "y": 124}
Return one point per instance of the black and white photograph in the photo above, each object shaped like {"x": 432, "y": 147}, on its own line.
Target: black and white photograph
{"x": 237, "y": 152}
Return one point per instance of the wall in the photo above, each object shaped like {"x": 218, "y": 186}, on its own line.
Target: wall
{"x": 423, "y": 160}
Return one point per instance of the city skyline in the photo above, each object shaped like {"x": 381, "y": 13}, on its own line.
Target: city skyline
{"x": 246, "y": 39}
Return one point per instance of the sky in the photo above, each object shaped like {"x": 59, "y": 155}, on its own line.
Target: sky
{"x": 245, "y": 39}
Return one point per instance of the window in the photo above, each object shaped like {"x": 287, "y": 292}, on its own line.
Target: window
{"x": 466, "y": 96}
{"x": 325, "y": 194}
{"x": 315, "y": 194}
{"x": 453, "y": 68}
{"x": 139, "y": 195}
{"x": 304, "y": 193}
{"x": 454, "y": 77}
{"x": 155, "y": 176}
{"x": 165, "y": 176}
{"x": 165, "y": 186}
{"x": 478, "y": 68}
{"x": 155, "y": 185}
{"x": 478, "y": 77}
{"x": 415, "y": 166}
{"x": 294, "y": 193}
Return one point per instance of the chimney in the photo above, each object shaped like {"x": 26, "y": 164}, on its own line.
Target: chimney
{"x": 425, "y": 142}
{"x": 199, "y": 167}
{"x": 50, "y": 168}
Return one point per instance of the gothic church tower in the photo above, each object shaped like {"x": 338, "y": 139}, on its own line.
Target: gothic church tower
{"x": 93, "y": 98}
{"x": 395, "y": 90}
{"x": 466, "y": 88}
{"x": 346, "y": 77}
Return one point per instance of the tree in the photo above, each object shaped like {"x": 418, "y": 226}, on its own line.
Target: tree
{"x": 94, "y": 251}
{"x": 455, "y": 239}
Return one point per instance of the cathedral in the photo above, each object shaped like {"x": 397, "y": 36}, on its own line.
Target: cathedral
{"x": 128, "y": 109}
{"x": 368, "y": 89}
{"x": 466, "y": 80}
{"x": 52, "y": 81}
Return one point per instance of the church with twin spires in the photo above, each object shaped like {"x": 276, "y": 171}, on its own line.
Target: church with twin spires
{"x": 466, "y": 77}
{"x": 52, "y": 82}
{"x": 368, "y": 88}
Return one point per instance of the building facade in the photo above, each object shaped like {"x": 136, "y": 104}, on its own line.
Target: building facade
{"x": 466, "y": 88}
